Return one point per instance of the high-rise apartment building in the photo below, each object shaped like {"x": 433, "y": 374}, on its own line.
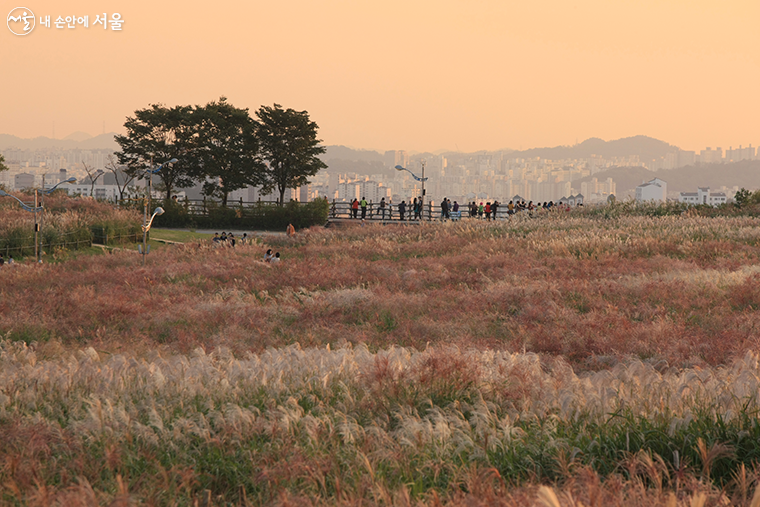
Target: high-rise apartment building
{"x": 710, "y": 156}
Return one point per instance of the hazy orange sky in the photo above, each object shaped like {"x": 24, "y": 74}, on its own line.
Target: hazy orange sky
{"x": 391, "y": 74}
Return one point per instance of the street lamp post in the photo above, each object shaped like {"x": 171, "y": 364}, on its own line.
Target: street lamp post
{"x": 423, "y": 179}
{"x": 31, "y": 209}
{"x": 159, "y": 211}
{"x": 146, "y": 228}
{"x": 49, "y": 191}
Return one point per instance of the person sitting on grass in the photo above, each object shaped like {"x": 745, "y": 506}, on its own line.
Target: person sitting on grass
{"x": 268, "y": 256}
{"x": 275, "y": 259}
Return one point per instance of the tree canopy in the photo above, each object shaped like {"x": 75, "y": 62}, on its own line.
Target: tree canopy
{"x": 154, "y": 136}
{"x": 227, "y": 148}
{"x": 222, "y": 147}
{"x": 289, "y": 144}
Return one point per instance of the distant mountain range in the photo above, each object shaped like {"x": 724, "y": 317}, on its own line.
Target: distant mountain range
{"x": 77, "y": 140}
{"x": 647, "y": 148}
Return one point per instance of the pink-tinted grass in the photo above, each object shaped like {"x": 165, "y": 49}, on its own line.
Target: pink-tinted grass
{"x": 683, "y": 290}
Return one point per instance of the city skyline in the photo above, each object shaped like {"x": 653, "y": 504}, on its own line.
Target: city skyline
{"x": 420, "y": 76}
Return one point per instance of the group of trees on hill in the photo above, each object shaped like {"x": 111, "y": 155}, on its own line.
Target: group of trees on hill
{"x": 222, "y": 147}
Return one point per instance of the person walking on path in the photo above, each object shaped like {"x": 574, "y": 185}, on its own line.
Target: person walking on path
{"x": 488, "y": 211}
{"x": 494, "y": 208}
{"x": 290, "y": 230}
{"x": 363, "y": 205}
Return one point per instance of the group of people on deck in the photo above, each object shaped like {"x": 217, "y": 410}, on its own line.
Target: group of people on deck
{"x": 414, "y": 210}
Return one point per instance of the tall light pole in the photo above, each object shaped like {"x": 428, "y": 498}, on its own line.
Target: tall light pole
{"x": 30, "y": 209}
{"x": 159, "y": 211}
{"x": 423, "y": 179}
{"x": 42, "y": 208}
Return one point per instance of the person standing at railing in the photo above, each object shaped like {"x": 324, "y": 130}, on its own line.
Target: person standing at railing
{"x": 355, "y": 208}
{"x": 363, "y": 205}
{"x": 401, "y": 210}
{"x": 494, "y": 209}
{"x": 382, "y": 207}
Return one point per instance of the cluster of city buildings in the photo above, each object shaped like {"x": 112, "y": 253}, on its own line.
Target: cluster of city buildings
{"x": 462, "y": 177}
{"x": 467, "y": 178}
{"x": 683, "y": 158}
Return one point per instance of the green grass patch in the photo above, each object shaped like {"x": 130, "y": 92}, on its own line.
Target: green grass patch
{"x": 177, "y": 235}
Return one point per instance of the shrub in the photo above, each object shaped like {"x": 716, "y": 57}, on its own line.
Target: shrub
{"x": 261, "y": 215}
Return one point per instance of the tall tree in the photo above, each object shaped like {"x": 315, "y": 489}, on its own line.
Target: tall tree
{"x": 289, "y": 144}
{"x": 122, "y": 178}
{"x": 92, "y": 175}
{"x": 3, "y": 167}
{"x": 227, "y": 148}
{"x": 154, "y": 136}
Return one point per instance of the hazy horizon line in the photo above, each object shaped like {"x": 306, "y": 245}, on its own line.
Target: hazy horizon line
{"x": 410, "y": 151}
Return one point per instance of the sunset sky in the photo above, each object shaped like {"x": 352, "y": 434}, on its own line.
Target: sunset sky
{"x": 414, "y": 75}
